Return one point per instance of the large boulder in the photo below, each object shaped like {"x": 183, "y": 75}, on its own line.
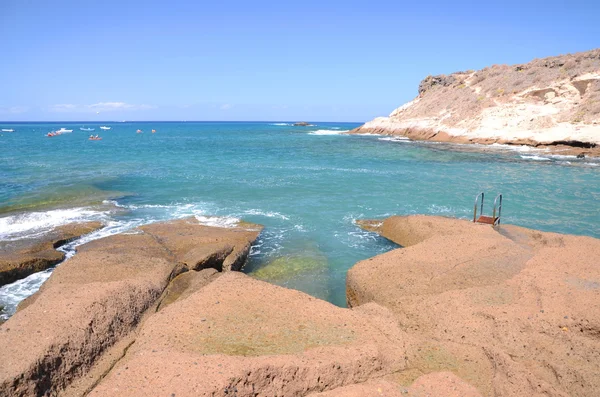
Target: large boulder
{"x": 21, "y": 258}
{"x": 97, "y": 298}
{"x": 511, "y": 310}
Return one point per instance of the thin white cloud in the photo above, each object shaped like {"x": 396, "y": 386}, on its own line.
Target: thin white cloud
{"x": 111, "y": 106}
{"x": 226, "y": 106}
{"x": 13, "y": 109}
{"x": 63, "y": 107}
{"x": 98, "y": 107}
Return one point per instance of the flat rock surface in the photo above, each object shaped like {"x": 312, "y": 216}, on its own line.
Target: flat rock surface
{"x": 244, "y": 337}
{"x": 21, "y": 258}
{"x": 99, "y": 297}
{"x": 510, "y": 310}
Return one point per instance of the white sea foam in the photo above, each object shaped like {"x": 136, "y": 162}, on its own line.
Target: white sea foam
{"x": 280, "y": 124}
{"x": 12, "y": 294}
{"x": 327, "y": 132}
{"x": 535, "y": 158}
{"x": 593, "y": 164}
{"x": 34, "y": 224}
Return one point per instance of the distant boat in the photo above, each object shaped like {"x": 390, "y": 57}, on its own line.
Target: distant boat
{"x": 86, "y": 129}
{"x": 63, "y": 131}
{"x": 139, "y": 131}
{"x": 104, "y": 128}
{"x": 153, "y": 131}
{"x": 7, "y": 130}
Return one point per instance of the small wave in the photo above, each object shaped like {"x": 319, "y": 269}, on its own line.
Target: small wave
{"x": 535, "y": 158}
{"x": 516, "y": 148}
{"x": 395, "y": 139}
{"x": 35, "y": 224}
{"x": 593, "y": 164}
{"x": 327, "y": 132}
{"x": 280, "y": 124}
{"x": 218, "y": 221}
{"x": 440, "y": 209}
{"x": 268, "y": 214}
{"x": 562, "y": 156}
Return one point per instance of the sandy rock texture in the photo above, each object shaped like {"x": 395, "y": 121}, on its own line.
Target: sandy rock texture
{"x": 552, "y": 102}
{"x": 244, "y": 337}
{"x": 98, "y": 298}
{"x": 21, "y": 258}
{"x": 511, "y": 311}
{"x": 435, "y": 384}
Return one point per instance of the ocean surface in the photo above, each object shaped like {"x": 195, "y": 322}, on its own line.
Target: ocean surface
{"x": 306, "y": 185}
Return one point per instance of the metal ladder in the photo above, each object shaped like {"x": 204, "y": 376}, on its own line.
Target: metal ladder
{"x": 490, "y": 220}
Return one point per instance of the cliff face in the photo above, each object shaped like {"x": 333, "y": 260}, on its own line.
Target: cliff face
{"x": 548, "y": 101}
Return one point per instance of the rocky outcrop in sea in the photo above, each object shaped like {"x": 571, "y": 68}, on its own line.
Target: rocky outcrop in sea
{"x": 552, "y": 102}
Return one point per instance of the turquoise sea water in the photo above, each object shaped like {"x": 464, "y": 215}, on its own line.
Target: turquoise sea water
{"x": 306, "y": 185}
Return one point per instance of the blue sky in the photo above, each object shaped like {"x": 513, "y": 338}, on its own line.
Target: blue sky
{"x": 260, "y": 60}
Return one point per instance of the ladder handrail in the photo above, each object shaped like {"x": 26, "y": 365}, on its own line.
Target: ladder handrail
{"x": 475, "y": 207}
{"x": 499, "y": 203}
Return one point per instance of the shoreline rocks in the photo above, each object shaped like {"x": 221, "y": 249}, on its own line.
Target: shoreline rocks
{"x": 21, "y": 258}
{"x": 99, "y": 297}
{"x": 511, "y": 310}
{"x": 462, "y": 310}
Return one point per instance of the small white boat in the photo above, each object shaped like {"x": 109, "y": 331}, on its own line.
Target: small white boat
{"x": 7, "y": 130}
{"x": 105, "y": 128}
{"x": 64, "y": 130}
{"x": 86, "y": 129}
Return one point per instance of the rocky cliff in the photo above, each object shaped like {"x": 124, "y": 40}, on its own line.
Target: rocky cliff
{"x": 551, "y": 101}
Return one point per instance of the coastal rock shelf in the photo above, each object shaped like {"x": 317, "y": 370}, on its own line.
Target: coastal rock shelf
{"x": 513, "y": 311}
{"x": 462, "y": 310}
{"x": 552, "y": 103}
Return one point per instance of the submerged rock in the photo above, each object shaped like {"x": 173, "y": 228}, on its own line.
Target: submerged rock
{"x": 21, "y": 258}
{"x": 286, "y": 268}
